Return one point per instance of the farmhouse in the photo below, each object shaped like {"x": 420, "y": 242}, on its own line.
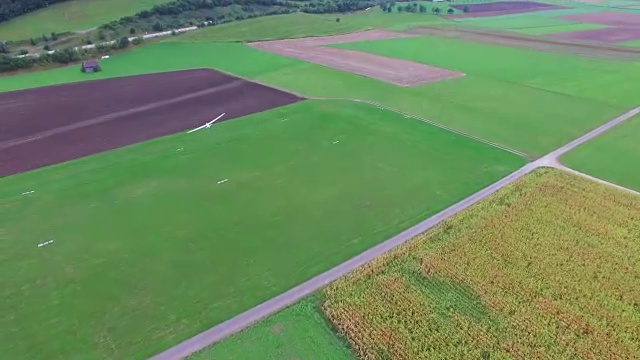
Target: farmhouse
{"x": 90, "y": 66}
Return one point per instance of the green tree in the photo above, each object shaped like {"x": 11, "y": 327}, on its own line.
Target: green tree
{"x": 422, "y": 9}
{"x": 123, "y": 42}
{"x": 4, "y": 49}
{"x": 132, "y": 31}
{"x": 54, "y": 36}
{"x": 436, "y": 10}
{"x": 24, "y": 52}
{"x": 45, "y": 38}
{"x": 450, "y": 11}
{"x": 47, "y": 47}
{"x": 399, "y": 9}
{"x": 33, "y": 42}
{"x": 157, "y": 27}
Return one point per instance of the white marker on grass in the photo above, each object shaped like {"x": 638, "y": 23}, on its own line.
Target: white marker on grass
{"x": 337, "y": 141}
{"x": 28, "y": 192}
{"x": 222, "y": 181}
{"x": 207, "y": 125}
{"x": 45, "y": 243}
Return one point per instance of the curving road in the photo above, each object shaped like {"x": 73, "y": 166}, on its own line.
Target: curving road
{"x": 281, "y": 301}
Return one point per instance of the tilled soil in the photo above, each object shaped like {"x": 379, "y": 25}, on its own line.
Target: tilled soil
{"x": 395, "y": 71}
{"x": 49, "y": 125}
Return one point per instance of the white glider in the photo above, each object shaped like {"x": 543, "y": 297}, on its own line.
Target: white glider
{"x": 207, "y": 125}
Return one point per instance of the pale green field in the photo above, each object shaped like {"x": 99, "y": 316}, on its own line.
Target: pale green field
{"x": 72, "y": 15}
{"x": 303, "y": 25}
{"x": 613, "y": 156}
{"x": 633, "y": 43}
{"x": 545, "y": 30}
{"x": 298, "y": 332}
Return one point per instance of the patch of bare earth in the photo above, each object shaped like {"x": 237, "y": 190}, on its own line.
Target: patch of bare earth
{"x": 395, "y": 71}
{"x": 601, "y": 51}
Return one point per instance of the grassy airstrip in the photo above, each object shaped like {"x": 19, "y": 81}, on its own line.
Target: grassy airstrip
{"x": 71, "y": 15}
{"x": 613, "y": 156}
{"x": 149, "y": 249}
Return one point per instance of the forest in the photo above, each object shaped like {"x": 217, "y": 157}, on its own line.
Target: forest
{"x": 10, "y": 9}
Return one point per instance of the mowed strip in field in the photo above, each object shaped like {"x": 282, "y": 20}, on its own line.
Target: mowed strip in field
{"x": 395, "y": 71}
{"x": 547, "y": 268}
{"x": 48, "y": 125}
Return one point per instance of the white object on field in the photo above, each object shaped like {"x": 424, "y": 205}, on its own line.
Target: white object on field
{"x": 28, "y": 192}
{"x": 337, "y": 141}
{"x": 45, "y": 243}
{"x": 207, "y": 125}
{"x": 222, "y": 181}
{"x": 105, "y": 57}
{"x": 180, "y": 149}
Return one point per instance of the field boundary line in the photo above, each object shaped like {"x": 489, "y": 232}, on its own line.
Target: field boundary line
{"x": 373, "y": 103}
{"x": 289, "y": 297}
{"x": 437, "y": 124}
{"x": 593, "y": 178}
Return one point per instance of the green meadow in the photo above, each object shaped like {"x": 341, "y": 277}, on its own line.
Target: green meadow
{"x": 303, "y": 25}
{"x": 71, "y": 15}
{"x": 298, "y": 332}
{"x": 556, "y": 29}
{"x": 150, "y": 249}
{"x": 613, "y": 156}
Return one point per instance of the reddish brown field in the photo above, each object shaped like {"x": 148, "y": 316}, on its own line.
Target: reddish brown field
{"x": 607, "y": 18}
{"x": 394, "y": 71}
{"x": 609, "y": 35}
{"x": 49, "y": 125}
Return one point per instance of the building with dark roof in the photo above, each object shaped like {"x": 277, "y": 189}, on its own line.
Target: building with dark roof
{"x": 90, "y": 66}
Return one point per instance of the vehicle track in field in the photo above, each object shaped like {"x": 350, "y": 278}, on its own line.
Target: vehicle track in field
{"x": 291, "y": 296}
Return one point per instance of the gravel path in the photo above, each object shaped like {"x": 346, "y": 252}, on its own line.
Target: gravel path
{"x": 281, "y": 301}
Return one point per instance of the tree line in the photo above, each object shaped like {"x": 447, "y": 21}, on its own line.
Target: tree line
{"x": 183, "y": 13}
{"x": 63, "y": 56}
{"x": 413, "y": 8}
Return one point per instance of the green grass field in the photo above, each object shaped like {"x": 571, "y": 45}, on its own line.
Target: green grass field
{"x": 71, "y": 15}
{"x": 298, "y": 332}
{"x": 303, "y": 25}
{"x": 612, "y": 156}
{"x": 526, "y": 20}
{"x": 150, "y": 250}
{"x": 556, "y": 29}
{"x": 599, "y": 80}
{"x": 524, "y": 117}
{"x": 633, "y": 43}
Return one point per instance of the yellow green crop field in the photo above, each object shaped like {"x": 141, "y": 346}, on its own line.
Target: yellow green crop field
{"x": 548, "y": 268}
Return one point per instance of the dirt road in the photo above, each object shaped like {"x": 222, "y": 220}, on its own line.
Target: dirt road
{"x": 281, "y": 301}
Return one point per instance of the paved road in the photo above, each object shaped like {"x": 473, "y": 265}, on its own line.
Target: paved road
{"x": 281, "y": 301}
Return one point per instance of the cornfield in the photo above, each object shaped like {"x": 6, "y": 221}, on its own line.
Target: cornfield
{"x": 548, "y": 268}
